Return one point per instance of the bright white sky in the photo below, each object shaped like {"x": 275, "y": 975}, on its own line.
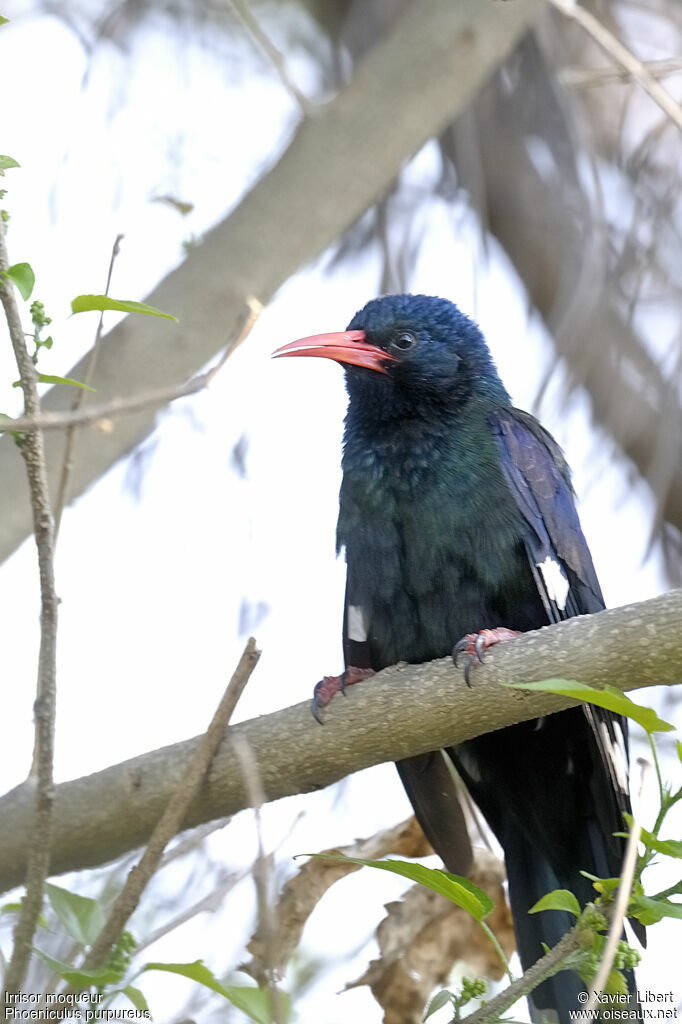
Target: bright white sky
{"x": 152, "y": 583}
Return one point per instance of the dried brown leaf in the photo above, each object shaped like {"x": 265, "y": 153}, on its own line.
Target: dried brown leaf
{"x": 424, "y": 935}
{"x": 301, "y": 894}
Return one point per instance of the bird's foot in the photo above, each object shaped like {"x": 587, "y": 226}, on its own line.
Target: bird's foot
{"x": 329, "y": 686}
{"x": 474, "y": 646}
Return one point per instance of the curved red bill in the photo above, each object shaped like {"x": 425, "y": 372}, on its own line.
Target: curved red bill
{"x": 343, "y": 346}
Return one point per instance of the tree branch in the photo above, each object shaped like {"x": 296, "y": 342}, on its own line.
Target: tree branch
{"x": 40, "y": 785}
{"x": 416, "y": 80}
{"x": 569, "y": 285}
{"x": 169, "y": 823}
{"x": 77, "y": 416}
{"x": 403, "y": 711}
{"x": 620, "y": 53}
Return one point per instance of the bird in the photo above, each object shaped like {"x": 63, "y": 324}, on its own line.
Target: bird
{"x": 458, "y": 520}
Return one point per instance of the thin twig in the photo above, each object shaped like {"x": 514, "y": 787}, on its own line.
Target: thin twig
{"x": 190, "y": 842}
{"x": 217, "y": 894}
{"x": 620, "y": 907}
{"x": 277, "y": 60}
{"x": 523, "y": 986}
{"x": 79, "y": 402}
{"x": 145, "y": 400}
{"x": 582, "y": 77}
{"x": 262, "y": 876}
{"x": 175, "y": 811}
{"x": 210, "y": 902}
{"x": 167, "y": 826}
{"x": 620, "y": 53}
{"x": 41, "y": 775}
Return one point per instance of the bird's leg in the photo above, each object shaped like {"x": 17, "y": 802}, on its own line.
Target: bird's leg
{"x": 474, "y": 646}
{"x": 329, "y": 686}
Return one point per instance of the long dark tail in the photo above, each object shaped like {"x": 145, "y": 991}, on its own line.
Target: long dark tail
{"x": 530, "y": 877}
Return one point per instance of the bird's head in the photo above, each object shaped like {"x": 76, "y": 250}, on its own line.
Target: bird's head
{"x": 406, "y": 352}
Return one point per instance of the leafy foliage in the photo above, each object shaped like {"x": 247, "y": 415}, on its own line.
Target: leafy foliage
{"x": 22, "y": 277}
{"x": 558, "y": 899}
{"x": 458, "y": 890}
{"x": 6, "y": 162}
{"x": 100, "y": 303}
{"x": 81, "y": 917}
{"x": 610, "y": 698}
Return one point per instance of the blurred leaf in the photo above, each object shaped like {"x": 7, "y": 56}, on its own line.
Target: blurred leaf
{"x": 649, "y": 910}
{"x": 458, "y": 890}
{"x": 15, "y": 908}
{"x": 82, "y": 917}
{"x": 136, "y": 998}
{"x": 255, "y": 1002}
{"x": 177, "y": 204}
{"x": 671, "y": 847}
{"x": 21, "y": 275}
{"x": 609, "y": 698}
{"x": 616, "y": 983}
{"x": 79, "y": 978}
{"x": 196, "y": 971}
{"x": 6, "y": 161}
{"x": 440, "y": 1000}
{"x": 87, "y": 303}
{"x": 49, "y": 378}
{"x": 558, "y": 899}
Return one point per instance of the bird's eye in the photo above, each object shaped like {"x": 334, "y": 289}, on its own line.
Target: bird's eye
{"x": 404, "y": 341}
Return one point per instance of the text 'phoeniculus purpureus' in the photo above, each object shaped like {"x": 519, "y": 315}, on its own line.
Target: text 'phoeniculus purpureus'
{"x": 457, "y": 517}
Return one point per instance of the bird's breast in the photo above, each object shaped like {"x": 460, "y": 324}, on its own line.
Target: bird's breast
{"x": 431, "y": 543}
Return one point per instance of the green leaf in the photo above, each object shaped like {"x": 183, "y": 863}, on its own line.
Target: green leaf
{"x": 679, "y": 749}
{"x": 6, "y": 161}
{"x": 49, "y": 378}
{"x": 79, "y": 978}
{"x": 3, "y": 21}
{"x": 15, "y": 908}
{"x": 87, "y": 303}
{"x": 458, "y": 890}
{"x": 604, "y": 886}
{"x": 440, "y": 1000}
{"x": 649, "y": 910}
{"x": 558, "y": 899}
{"x": 616, "y": 983}
{"x": 182, "y": 207}
{"x": 82, "y": 917}
{"x": 196, "y": 971}
{"x": 609, "y": 697}
{"x": 136, "y": 998}
{"x": 21, "y": 275}
{"x": 255, "y": 1002}
{"x": 671, "y": 847}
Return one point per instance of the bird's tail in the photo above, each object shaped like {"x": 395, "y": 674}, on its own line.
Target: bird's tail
{"x": 560, "y": 998}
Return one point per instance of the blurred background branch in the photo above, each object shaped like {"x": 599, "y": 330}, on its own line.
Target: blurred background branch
{"x": 536, "y": 156}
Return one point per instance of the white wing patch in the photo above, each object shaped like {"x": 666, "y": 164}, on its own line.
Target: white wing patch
{"x": 555, "y": 581}
{"x": 614, "y": 747}
{"x": 356, "y": 623}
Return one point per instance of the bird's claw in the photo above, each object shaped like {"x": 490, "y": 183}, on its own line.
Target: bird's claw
{"x": 329, "y": 686}
{"x": 464, "y": 646}
{"x": 474, "y": 645}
